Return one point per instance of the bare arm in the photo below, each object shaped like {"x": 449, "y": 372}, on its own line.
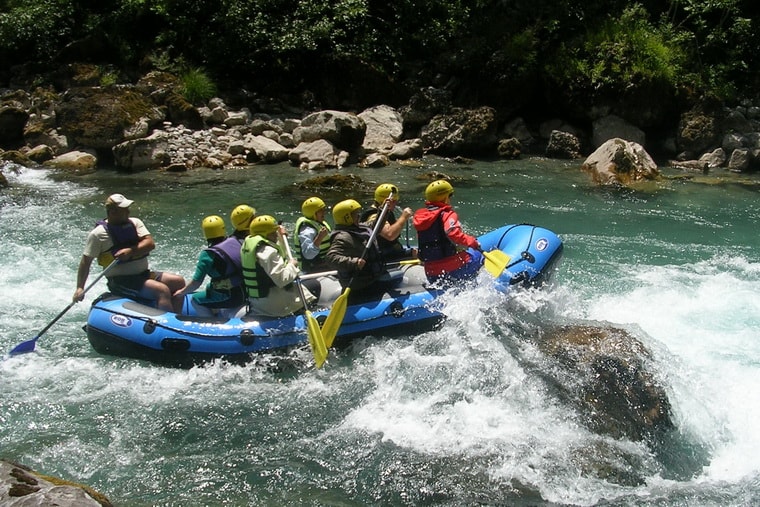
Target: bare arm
{"x": 82, "y": 273}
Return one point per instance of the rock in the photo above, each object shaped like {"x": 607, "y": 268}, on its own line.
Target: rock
{"x": 695, "y": 166}
{"x": 739, "y": 161}
{"x": 182, "y": 112}
{"x": 17, "y": 157}
{"x": 509, "y": 148}
{"x": 143, "y": 154}
{"x": 343, "y": 130}
{"x": 697, "y": 132}
{"x": 320, "y": 150}
{"x": 733, "y": 141}
{"x": 714, "y": 159}
{"x": 424, "y": 106}
{"x": 603, "y": 371}
{"x": 620, "y": 162}
{"x": 38, "y": 133}
{"x": 462, "y": 131}
{"x": 40, "y": 153}
{"x": 385, "y": 126}
{"x": 21, "y": 486}
{"x": 409, "y": 148}
{"x": 266, "y": 149}
{"x": 76, "y": 161}
{"x": 563, "y": 145}
{"x": 12, "y": 121}
{"x": 101, "y": 118}
{"x": 375, "y": 160}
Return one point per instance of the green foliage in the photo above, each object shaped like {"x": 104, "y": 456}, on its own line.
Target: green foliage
{"x": 725, "y": 47}
{"x": 197, "y": 86}
{"x": 34, "y": 30}
{"x": 620, "y": 53}
{"x": 108, "y": 78}
{"x": 584, "y": 47}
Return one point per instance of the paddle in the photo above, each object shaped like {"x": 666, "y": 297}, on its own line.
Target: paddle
{"x": 320, "y": 274}
{"x": 316, "y": 341}
{"x": 335, "y": 317}
{"x": 28, "y": 345}
{"x": 496, "y": 261}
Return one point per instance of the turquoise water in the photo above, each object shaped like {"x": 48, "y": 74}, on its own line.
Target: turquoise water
{"x": 454, "y": 416}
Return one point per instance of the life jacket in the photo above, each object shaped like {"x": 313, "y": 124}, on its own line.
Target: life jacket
{"x": 434, "y": 244}
{"x": 122, "y": 236}
{"x": 305, "y": 263}
{"x": 257, "y": 281}
{"x": 375, "y": 265}
{"x": 227, "y": 263}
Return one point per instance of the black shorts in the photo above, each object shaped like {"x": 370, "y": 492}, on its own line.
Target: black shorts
{"x": 130, "y": 285}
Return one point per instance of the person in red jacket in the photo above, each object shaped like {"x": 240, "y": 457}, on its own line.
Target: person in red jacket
{"x": 447, "y": 251}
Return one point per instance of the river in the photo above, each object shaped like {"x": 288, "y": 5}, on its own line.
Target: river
{"x": 453, "y": 416}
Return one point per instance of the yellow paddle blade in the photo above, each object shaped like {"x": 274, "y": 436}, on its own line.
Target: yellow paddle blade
{"x": 335, "y": 318}
{"x": 316, "y": 340}
{"x": 496, "y": 262}
{"x": 409, "y": 262}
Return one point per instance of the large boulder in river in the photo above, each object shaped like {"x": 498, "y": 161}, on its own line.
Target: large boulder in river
{"x": 462, "y": 132}
{"x": 620, "y": 162}
{"x": 79, "y": 162}
{"x": 605, "y": 372}
{"x": 101, "y": 118}
{"x": 385, "y": 126}
{"x": 143, "y": 154}
{"x": 343, "y": 130}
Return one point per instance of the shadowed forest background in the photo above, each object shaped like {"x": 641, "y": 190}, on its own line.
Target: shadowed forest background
{"x": 644, "y": 61}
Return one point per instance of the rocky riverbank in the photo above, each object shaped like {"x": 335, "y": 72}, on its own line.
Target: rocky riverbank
{"x": 148, "y": 125}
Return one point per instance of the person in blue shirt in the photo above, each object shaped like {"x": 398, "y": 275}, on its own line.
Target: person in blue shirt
{"x": 220, "y": 261}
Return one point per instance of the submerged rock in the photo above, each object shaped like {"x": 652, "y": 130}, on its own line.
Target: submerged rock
{"x": 603, "y": 371}
{"x": 21, "y": 486}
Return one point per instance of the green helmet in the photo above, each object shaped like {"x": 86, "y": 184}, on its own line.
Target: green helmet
{"x": 343, "y": 210}
{"x": 384, "y": 191}
{"x": 310, "y": 207}
{"x": 438, "y": 190}
{"x": 241, "y": 217}
{"x": 213, "y": 227}
{"x": 263, "y": 225}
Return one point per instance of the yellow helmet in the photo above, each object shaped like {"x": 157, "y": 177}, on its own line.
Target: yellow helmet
{"x": 438, "y": 190}
{"x": 213, "y": 227}
{"x": 263, "y": 225}
{"x": 342, "y": 211}
{"x": 241, "y": 217}
{"x": 383, "y": 191}
{"x": 310, "y": 207}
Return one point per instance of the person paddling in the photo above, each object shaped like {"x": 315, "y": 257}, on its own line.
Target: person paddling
{"x": 125, "y": 238}
{"x": 447, "y": 251}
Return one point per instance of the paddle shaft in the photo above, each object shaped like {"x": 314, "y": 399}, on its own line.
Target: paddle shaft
{"x": 70, "y": 305}
{"x": 28, "y": 345}
{"x": 375, "y": 232}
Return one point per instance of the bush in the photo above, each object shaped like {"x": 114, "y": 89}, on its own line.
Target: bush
{"x": 621, "y": 53}
{"x": 197, "y": 86}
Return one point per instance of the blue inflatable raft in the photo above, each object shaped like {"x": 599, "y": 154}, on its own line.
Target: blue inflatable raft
{"x": 122, "y": 327}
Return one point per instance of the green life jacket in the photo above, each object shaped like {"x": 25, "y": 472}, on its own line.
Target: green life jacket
{"x": 257, "y": 281}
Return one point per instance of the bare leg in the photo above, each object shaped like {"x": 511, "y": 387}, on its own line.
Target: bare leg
{"x": 160, "y": 292}
{"x": 175, "y": 283}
